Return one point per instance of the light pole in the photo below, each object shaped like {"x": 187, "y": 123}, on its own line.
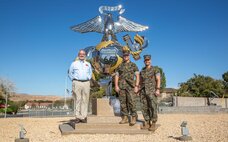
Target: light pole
{"x": 66, "y": 92}
{"x": 65, "y": 106}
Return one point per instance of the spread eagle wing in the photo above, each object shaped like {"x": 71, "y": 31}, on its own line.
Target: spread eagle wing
{"x": 125, "y": 25}
{"x": 93, "y": 25}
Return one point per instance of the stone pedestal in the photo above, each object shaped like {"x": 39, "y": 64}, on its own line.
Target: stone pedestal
{"x": 102, "y": 107}
{"x": 103, "y": 121}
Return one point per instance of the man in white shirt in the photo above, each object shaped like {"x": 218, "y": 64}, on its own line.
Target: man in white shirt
{"x": 80, "y": 73}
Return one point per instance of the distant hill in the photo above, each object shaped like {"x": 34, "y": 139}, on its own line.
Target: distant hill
{"x": 29, "y": 97}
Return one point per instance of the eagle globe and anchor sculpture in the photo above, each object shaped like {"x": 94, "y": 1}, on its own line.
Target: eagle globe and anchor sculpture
{"x": 107, "y": 55}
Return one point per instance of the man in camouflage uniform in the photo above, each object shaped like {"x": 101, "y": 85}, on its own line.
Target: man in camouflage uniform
{"x": 150, "y": 89}
{"x": 127, "y": 87}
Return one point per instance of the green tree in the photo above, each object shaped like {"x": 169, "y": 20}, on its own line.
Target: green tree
{"x": 96, "y": 90}
{"x": 8, "y": 111}
{"x": 2, "y": 92}
{"x": 163, "y": 78}
{"x": 58, "y": 103}
{"x": 70, "y": 103}
{"x": 14, "y": 106}
{"x": 225, "y": 79}
{"x": 225, "y": 76}
{"x": 6, "y": 86}
{"x": 98, "y": 93}
{"x": 201, "y": 86}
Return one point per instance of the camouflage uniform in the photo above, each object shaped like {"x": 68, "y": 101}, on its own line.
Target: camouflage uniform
{"x": 126, "y": 73}
{"x": 148, "y": 97}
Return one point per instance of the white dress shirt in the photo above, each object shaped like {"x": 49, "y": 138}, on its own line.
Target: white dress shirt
{"x": 80, "y": 70}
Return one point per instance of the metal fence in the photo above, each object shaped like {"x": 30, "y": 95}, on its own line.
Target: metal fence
{"x": 42, "y": 113}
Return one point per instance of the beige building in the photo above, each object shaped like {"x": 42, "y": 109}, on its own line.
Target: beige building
{"x": 39, "y": 105}
{"x": 167, "y": 92}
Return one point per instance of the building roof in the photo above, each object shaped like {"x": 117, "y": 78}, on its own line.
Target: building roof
{"x": 2, "y": 105}
{"x": 38, "y": 104}
{"x": 169, "y": 90}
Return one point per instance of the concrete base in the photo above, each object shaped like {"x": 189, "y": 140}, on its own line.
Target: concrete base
{"x": 102, "y": 121}
{"x": 93, "y": 119}
{"x": 102, "y": 125}
{"x": 22, "y": 140}
{"x": 107, "y": 126}
{"x": 102, "y": 107}
{"x": 185, "y": 138}
{"x": 101, "y": 131}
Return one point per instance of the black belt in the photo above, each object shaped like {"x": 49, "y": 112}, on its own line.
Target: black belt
{"x": 81, "y": 80}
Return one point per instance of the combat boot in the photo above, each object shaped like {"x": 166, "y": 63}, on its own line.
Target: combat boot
{"x": 146, "y": 125}
{"x": 133, "y": 121}
{"x": 152, "y": 127}
{"x": 124, "y": 120}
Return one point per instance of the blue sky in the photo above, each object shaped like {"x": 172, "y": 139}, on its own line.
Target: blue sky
{"x": 37, "y": 45}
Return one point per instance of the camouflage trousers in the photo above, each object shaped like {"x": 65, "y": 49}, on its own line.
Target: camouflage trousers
{"x": 127, "y": 99}
{"x": 149, "y": 107}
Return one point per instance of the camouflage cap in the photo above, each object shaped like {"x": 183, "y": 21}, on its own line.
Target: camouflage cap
{"x": 126, "y": 52}
{"x": 147, "y": 57}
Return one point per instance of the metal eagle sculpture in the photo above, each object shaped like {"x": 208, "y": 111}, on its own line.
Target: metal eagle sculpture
{"x": 106, "y": 56}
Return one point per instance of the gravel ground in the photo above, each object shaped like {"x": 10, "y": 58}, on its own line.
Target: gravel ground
{"x": 202, "y": 128}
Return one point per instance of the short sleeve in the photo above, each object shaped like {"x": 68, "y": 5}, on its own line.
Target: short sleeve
{"x": 135, "y": 68}
{"x": 157, "y": 72}
{"x": 117, "y": 71}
